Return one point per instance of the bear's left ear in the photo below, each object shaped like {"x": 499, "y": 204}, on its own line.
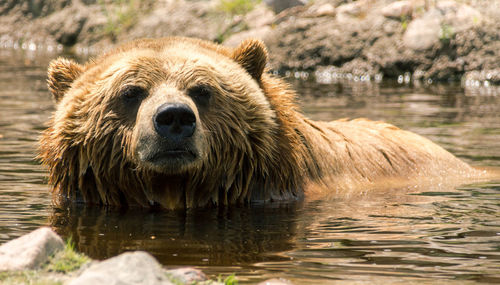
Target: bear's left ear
{"x": 61, "y": 74}
{"x": 252, "y": 55}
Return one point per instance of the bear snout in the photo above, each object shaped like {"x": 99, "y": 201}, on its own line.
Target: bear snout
{"x": 174, "y": 122}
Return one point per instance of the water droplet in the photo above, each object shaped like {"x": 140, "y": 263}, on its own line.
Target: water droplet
{"x": 407, "y": 77}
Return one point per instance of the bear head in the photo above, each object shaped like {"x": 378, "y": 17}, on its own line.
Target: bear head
{"x": 173, "y": 122}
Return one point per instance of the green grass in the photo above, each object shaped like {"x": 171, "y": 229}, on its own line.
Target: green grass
{"x": 121, "y": 15}
{"x": 231, "y": 280}
{"x": 237, "y": 7}
{"x": 67, "y": 260}
{"x": 404, "y": 22}
{"x": 32, "y": 277}
{"x": 446, "y": 33}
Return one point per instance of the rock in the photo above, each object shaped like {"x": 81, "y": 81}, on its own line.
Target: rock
{"x": 187, "y": 275}
{"x": 423, "y": 33}
{"x": 260, "y": 16}
{"x": 276, "y": 281}
{"x": 397, "y": 10}
{"x": 280, "y": 5}
{"x": 447, "y": 6}
{"x": 67, "y": 24}
{"x": 323, "y": 10}
{"x": 128, "y": 268}
{"x": 465, "y": 18}
{"x": 352, "y": 9}
{"x": 29, "y": 251}
{"x": 261, "y": 33}
{"x": 179, "y": 18}
{"x": 346, "y": 13}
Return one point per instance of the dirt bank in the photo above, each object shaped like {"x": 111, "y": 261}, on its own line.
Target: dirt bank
{"x": 426, "y": 39}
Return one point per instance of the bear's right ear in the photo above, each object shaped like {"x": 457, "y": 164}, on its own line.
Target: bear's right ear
{"x": 61, "y": 74}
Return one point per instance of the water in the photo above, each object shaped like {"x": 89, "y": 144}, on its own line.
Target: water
{"x": 425, "y": 235}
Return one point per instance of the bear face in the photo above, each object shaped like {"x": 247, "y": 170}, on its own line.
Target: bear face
{"x": 148, "y": 121}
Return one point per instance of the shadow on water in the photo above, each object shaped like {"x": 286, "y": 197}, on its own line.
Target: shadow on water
{"x": 425, "y": 235}
{"x": 215, "y": 237}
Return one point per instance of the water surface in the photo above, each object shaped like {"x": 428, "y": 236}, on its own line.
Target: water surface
{"x": 427, "y": 235}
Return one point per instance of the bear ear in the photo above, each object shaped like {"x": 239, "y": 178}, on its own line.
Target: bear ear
{"x": 252, "y": 55}
{"x": 61, "y": 74}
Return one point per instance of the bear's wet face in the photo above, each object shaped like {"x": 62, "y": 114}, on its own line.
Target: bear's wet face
{"x": 170, "y": 121}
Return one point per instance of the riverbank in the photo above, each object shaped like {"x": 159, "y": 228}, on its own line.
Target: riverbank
{"x": 41, "y": 257}
{"x": 439, "y": 40}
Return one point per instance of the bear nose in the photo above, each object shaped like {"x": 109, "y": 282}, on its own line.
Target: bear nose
{"x": 174, "y": 121}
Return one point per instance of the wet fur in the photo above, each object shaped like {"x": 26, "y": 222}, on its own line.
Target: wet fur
{"x": 255, "y": 153}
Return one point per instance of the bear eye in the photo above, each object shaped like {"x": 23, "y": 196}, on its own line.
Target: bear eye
{"x": 132, "y": 93}
{"x": 200, "y": 94}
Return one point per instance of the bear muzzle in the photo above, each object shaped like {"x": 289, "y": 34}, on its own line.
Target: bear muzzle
{"x": 174, "y": 122}
{"x": 171, "y": 146}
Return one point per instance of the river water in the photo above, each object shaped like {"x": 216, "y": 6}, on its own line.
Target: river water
{"x": 426, "y": 235}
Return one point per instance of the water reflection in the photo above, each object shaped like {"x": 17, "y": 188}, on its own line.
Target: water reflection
{"x": 426, "y": 235}
{"x": 224, "y": 236}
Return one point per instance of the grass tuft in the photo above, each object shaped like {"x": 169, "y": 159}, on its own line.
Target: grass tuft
{"x": 237, "y": 7}
{"x": 66, "y": 260}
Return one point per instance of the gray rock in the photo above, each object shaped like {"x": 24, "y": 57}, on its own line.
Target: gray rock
{"x": 352, "y": 9}
{"x": 128, "y": 268}
{"x": 280, "y": 5}
{"x": 67, "y": 24}
{"x": 423, "y": 33}
{"x": 29, "y": 251}
{"x": 398, "y": 9}
{"x": 463, "y": 17}
{"x": 260, "y": 16}
{"x": 275, "y": 281}
{"x": 346, "y": 13}
{"x": 179, "y": 18}
{"x": 261, "y": 33}
{"x": 187, "y": 275}
{"x": 326, "y": 9}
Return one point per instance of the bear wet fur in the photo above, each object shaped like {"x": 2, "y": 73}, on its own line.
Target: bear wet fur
{"x": 181, "y": 123}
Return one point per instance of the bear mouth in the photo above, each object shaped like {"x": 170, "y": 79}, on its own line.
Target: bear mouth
{"x": 171, "y": 160}
{"x": 172, "y": 155}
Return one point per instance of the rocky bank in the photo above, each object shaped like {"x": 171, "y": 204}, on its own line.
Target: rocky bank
{"x": 41, "y": 257}
{"x": 425, "y": 39}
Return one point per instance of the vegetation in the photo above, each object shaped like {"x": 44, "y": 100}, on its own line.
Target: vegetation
{"x": 404, "y": 22}
{"x": 121, "y": 15}
{"x": 237, "y": 7}
{"x": 231, "y": 280}
{"x": 446, "y": 33}
{"x": 64, "y": 261}
{"x": 67, "y": 260}
{"x": 25, "y": 277}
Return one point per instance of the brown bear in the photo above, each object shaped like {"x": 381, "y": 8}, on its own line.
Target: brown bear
{"x": 180, "y": 123}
